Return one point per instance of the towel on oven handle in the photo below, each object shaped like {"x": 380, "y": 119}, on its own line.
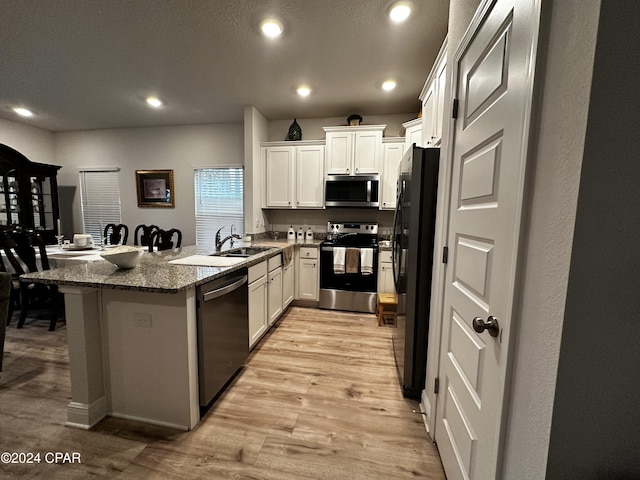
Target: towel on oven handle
{"x": 338, "y": 259}
{"x": 366, "y": 261}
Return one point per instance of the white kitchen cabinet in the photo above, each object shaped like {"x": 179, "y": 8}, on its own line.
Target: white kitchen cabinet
{"x": 294, "y": 174}
{"x": 392, "y": 151}
{"x": 274, "y": 289}
{"x": 433, "y": 101}
{"x": 258, "y": 323}
{"x": 413, "y": 133}
{"x": 287, "y": 284}
{"x": 307, "y": 274}
{"x": 354, "y": 150}
{"x": 385, "y": 273}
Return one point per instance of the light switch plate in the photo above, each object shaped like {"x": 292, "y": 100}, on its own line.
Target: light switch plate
{"x": 142, "y": 319}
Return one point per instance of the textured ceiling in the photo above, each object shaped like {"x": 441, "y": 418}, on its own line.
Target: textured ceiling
{"x": 88, "y": 64}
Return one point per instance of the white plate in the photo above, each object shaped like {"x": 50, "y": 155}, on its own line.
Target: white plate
{"x": 71, "y": 246}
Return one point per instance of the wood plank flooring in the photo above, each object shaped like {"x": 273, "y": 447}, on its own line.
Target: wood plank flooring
{"x": 318, "y": 399}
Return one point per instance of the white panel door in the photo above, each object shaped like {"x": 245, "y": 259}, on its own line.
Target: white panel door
{"x": 494, "y": 88}
{"x": 275, "y": 294}
{"x": 310, "y": 176}
{"x": 391, "y": 156}
{"x": 257, "y": 310}
{"x": 339, "y": 154}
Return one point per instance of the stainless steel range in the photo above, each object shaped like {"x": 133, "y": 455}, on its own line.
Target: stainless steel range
{"x": 349, "y": 267}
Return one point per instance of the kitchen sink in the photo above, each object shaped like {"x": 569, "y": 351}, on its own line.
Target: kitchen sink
{"x": 242, "y": 252}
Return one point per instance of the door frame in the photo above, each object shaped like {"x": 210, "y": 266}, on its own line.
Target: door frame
{"x": 429, "y": 400}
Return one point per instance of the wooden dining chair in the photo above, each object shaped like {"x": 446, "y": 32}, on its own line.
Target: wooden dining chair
{"x": 9, "y": 264}
{"x": 142, "y": 234}
{"x": 116, "y": 234}
{"x": 25, "y": 244}
{"x": 163, "y": 239}
{"x": 5, "y": 300}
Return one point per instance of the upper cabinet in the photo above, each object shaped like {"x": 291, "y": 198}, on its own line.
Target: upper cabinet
{"x": 354, "y": 150}
{"x": 28, "y": 193}
{"x": 294, "y": 174}
{"x": 393, "y": 150}
{"x": 413, "y": 133}
{"x": 433, "y": 100}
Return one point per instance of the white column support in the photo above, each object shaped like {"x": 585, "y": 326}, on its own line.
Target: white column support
{"x": 88, "y": 396}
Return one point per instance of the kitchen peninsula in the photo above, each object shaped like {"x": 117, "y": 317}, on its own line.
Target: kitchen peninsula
{"x": 132, "y": 336}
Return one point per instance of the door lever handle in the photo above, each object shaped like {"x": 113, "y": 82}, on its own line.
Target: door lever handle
{"x": 491, "y": 325}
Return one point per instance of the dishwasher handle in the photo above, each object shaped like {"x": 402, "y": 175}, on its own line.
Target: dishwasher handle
{"x": 218, "y": 292}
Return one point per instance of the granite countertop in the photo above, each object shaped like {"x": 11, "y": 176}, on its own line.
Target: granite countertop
{"x": 153, "y": 273}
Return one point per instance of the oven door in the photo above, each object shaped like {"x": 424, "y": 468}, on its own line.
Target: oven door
{"x": 352, "y": 282}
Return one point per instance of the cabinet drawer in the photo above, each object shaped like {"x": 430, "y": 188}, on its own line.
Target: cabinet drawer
{"x": 308, "y": 252}
{"x": 385, "y": 256}
{"x": 257, "y": 271}
{"x": 275, "y": 262}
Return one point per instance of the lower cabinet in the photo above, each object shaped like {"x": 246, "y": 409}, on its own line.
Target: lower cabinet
{"x": 274, "y": 294}
{"x": 308, "y": 272}
{"x": 287, "y": 284}
{"x": 258, "y": 324}
{"x": 385, "y": 273}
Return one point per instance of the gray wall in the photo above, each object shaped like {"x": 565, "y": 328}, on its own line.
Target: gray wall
{"x": 596, "y": 415}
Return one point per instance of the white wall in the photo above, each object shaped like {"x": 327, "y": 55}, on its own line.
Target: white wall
{"x": 34, "y": 143}
{"x": 312, "y": 127}
{"x": 568, "y": 35}
{"x": 255, "y": 131}
{"x": 179, "y": 148}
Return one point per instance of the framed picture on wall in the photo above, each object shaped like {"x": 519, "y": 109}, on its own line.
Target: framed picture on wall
{"x": 155, "y": 188}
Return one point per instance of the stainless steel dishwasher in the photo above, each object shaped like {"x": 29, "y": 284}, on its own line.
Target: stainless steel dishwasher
{"x": 223, "y": 332}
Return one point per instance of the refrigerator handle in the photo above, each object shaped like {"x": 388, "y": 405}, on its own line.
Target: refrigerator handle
{"x": 394, "y": 243}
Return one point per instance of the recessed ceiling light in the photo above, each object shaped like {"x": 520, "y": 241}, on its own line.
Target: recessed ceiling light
{"x": 23, "y": 112}
{"x": 271, "y": 27}
{"x": 388, "y": 85}
{"x": 154, "y": 102}
{"x": 400, "y": 11}
{"x": 303, "y": 91}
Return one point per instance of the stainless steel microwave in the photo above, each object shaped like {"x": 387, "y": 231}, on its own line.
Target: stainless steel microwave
{"x": 352, "y": 191}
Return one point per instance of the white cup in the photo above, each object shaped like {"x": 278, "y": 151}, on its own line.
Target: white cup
{"x": 82, "y": 240}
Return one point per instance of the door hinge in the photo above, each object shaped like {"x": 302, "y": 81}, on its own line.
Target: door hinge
{"x": 454, "y": 113}
{"x": 445, "y": 255}
{"x": 436, "y": 385}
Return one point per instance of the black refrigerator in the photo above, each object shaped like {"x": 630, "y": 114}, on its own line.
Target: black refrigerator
{"x": 412, "y": 250}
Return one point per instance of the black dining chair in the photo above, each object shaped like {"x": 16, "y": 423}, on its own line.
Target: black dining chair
{"x": 5, "y": 300}
{"x": 163, "y": 239}
{"x": 142, "y": 234}
{"x": 25, "y": 244}
{"x": 116, "y": 234}
{"x": 9, "y": 264}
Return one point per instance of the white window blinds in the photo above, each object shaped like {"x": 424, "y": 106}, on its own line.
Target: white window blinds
{"x": 100, "y": 200}
{"x": 219, "y": 202}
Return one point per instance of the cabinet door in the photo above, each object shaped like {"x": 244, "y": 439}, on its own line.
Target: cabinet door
{"x": 275, "y": 294}
{"x": 428, "y": 114}
{"x": 339, "y": 152}
{"x": 413, "y": 135}
{"x": 279, "y": 176}
{"x": 257, "y": 310}
{"x": 391, "y": 156}
{"x": 439, "y": 102}
{"x": 385, "y": 278}
{"x": 287, "y": 285}
{"x": 310, "y": 176}
{"x": 308, "y": 279}
{"x": 367, "y": 152}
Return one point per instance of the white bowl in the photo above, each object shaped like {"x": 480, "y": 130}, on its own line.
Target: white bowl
{"x": 123, "y": 256}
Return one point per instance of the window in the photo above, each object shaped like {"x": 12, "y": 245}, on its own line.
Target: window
{"x": 219, "y": 202}
{"x": 100, "y": 200}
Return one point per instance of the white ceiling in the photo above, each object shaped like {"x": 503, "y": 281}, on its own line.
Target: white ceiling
{"x": 89, "y": 64}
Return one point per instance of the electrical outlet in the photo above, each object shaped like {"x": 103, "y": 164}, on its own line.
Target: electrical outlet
{"x": 142, "y": 319}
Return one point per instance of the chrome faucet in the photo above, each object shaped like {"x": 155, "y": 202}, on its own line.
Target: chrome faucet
{"x": 220, "y": 243}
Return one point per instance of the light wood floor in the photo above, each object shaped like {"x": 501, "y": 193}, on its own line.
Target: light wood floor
{"x": 318, "y": 399}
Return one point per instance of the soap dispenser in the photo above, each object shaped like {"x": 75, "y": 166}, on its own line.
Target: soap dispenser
{"x": 308, "y": 236}
{"x": 291, "y": 235}
{"x": 300, "y": 236}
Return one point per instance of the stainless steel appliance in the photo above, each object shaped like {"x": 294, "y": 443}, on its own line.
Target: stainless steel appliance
{"x": 349, "y": 267}
{"x": 352, "y": 191}
{"x": 412, "y": 256}
{"x": 223, "y": 332}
